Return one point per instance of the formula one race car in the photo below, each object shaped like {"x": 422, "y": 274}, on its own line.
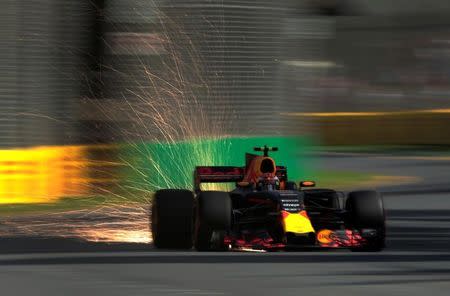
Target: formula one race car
{"x": 265, "y": 212}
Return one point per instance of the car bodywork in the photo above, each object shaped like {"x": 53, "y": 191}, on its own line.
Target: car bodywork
{"x": 271, "y": 213}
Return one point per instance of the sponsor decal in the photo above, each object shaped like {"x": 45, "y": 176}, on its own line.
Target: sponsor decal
{"x": 290, "y": 205}
{"x": 325, "y": 236}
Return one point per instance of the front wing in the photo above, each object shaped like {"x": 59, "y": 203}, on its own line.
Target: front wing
{"x": 325, "y": 238}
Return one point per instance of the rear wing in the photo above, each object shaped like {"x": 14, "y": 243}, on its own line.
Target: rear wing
{"x": 217, "y": 174}
{"x": 226, "y": 174}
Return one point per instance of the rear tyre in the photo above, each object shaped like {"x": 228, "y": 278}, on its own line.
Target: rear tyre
{"x": 173, "y": 219}
{"x": 366, "y": 211}
{"x": 213, "y": 219}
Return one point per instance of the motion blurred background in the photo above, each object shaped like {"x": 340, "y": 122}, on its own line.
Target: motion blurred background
{"x": 105, "y": 101}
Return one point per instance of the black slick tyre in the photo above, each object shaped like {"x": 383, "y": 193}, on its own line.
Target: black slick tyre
{"x": 366, "y": 211}
{"x": 213, "y": 216}
{"x": 172, "y": 219}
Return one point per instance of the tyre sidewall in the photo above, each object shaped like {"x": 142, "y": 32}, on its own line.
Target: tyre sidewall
{"x": 213, "y": 213}
{"x": 366, "y": 211}
{"x": 173, "y": 218}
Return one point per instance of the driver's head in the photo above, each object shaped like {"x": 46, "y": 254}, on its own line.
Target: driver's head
{"x": 268, "y": 181}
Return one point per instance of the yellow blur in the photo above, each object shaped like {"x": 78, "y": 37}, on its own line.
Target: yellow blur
{"x": 297, "y": 223}
{"x": 362, "y": 114}
{"x": 42, "y": 174}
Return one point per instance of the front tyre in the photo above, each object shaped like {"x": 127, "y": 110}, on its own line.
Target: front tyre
{"x": 213, "y": 220}
{"x": 173, "y": 219}
{"x": 366, "y": 211}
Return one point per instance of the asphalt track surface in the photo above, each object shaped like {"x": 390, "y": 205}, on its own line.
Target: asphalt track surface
{"x": 415, "y": 262}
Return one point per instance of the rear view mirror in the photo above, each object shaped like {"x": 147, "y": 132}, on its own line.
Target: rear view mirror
{"x": 307, "y": 184}
{"x": 244, "y": 184}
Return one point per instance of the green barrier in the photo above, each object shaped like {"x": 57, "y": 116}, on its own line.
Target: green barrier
{"x": 152, "y": 166}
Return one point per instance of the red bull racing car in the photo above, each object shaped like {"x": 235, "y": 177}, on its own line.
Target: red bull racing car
{"x": 265, "y": 212}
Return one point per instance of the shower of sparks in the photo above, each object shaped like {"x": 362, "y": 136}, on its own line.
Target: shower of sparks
{"x": 162, "y": 130}
{"x": 100, "y": 225}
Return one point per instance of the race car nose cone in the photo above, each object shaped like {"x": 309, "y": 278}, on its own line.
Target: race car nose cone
{"x": 297, "y": 222}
